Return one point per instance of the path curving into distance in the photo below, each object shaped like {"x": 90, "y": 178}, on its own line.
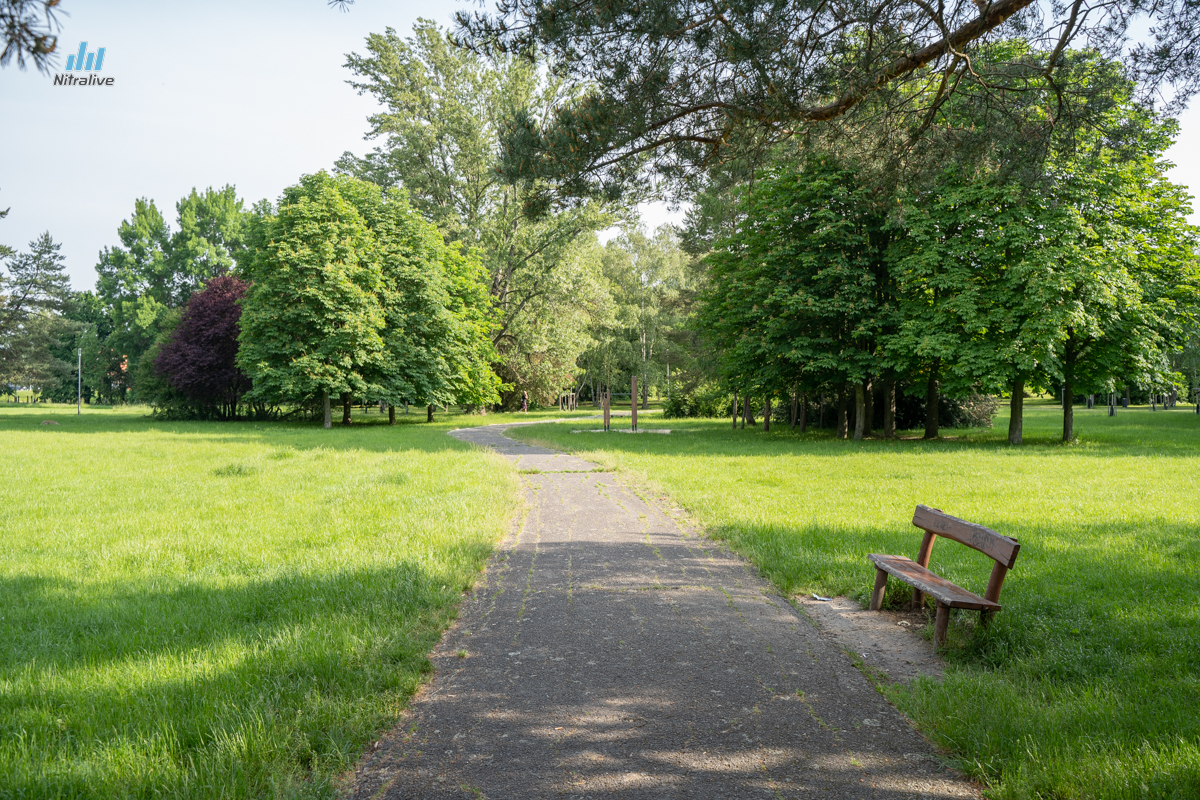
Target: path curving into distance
{"x": 614, "y": 653}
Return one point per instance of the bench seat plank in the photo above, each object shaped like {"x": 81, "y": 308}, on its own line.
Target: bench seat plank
{"x": 930, "y": 583}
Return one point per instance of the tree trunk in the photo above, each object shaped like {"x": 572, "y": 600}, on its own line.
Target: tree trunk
{"x": 843, "y": 423}
{"x": 803, "y": 412}
{"x": 735, "y": 410}
{"x": 869, "y": 419}
{"x": 767, "y": 416}
{"x": 931, "y": 401}
{"x": 795, "y": 409}
{"x": 1126, "y": 397}
{"x": 860, "y": 409}
{"x": 391, "y": 414}
{"x": 1068, "y": 389}
{"x": 645, "y": 393}
{"x": 889, "y": 408}
{"x": 328, "y": 411}
{"x": 346, "y": 408}
{"x": 748, "y": 418}
{"x": 429, "y": 413}
{"x": 1016, "y": 412}
{"x": 1068, "y": 411}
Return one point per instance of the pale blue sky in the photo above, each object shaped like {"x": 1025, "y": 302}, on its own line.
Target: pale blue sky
{"x": 207, "y": 93}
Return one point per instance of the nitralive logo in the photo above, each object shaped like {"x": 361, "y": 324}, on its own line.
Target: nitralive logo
{"x": 83, "y": 61}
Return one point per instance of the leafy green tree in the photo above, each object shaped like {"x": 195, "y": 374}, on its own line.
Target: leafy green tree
{"x": 443, "y": 112}
{"x": 797, "y": 295}
{"x": 438, "y": 314}
{"x": 354, "y": 294}
{"x": 971, "y": 277}
{"x": 312, "y": 322}
{"x": 1072, "y": 280}
{"x": 647, "y": 275}
{"x": 155, "y": 268}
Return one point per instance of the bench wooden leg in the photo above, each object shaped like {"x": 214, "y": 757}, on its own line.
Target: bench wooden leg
{"x": 985, "y": 617}
{"x": 880, "y": 588}
{"x": 918, "y": 600}
{"x": 942, "y": 623}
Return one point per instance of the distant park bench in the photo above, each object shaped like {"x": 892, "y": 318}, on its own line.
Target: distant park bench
{"x": 1001, "y": 549}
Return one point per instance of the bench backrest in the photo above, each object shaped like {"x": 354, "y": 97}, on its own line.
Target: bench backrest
{"x": 1002, "y": 549}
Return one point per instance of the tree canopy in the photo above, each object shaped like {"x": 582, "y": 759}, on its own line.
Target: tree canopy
{"x": 353, "y": 294}
{"x": 444, "y": 110}
{"x": 670, "y": 88}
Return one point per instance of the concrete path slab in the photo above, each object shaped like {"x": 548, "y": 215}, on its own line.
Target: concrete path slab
{"x": 610, "y": 652}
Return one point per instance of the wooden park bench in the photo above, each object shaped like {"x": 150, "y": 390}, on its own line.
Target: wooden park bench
{"x": 1001, "y": 549}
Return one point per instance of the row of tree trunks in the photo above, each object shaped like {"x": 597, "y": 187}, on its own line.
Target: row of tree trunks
{"x": 864, "y": 399}
{"x": 328, "y": 411}
{"x": 799, "y": 411}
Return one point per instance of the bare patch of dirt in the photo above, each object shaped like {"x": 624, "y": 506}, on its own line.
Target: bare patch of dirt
{"x": 889, "y": 642}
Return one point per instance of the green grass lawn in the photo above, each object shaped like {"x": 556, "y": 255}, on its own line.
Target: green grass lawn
{"x": 224, "y": 610}
{"x": 1087, "y": 685}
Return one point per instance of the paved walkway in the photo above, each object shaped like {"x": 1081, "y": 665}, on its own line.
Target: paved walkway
{"x": 613, "y": 653}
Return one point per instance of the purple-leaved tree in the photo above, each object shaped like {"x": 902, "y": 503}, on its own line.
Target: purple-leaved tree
{"x": 198, "y": 361}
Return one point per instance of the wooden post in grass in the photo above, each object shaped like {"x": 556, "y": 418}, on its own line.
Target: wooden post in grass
{"x": 633, "y": 400}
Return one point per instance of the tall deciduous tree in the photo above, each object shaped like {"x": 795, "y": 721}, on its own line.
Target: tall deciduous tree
{"x": 156, "y": 268}
{"x": 354, "y": 294}
{"x": 312, "y": 322}
{"x": 444, "y": 111}
{"x": 647, "y": 274}
{"x": 797, "y": 294}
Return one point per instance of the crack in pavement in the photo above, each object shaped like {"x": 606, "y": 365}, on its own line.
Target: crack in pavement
{"x": 598, "y": 667}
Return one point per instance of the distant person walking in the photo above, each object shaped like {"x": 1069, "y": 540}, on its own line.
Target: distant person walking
{"x": 524, "y": 402}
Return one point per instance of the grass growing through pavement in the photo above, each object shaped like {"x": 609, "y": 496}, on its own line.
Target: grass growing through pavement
{"x": 223, "y": 610}
{"x": 1087, "y": 685}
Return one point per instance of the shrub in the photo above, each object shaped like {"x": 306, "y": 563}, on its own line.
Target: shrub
{"x": 698, "y": 400}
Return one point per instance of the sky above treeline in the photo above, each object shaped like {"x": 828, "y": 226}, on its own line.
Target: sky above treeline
{"x": 207, "y": 94}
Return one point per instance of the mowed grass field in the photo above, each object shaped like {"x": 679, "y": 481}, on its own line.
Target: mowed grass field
{"x": 1087, "y": 684}
{"x": 223, "y": 610}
